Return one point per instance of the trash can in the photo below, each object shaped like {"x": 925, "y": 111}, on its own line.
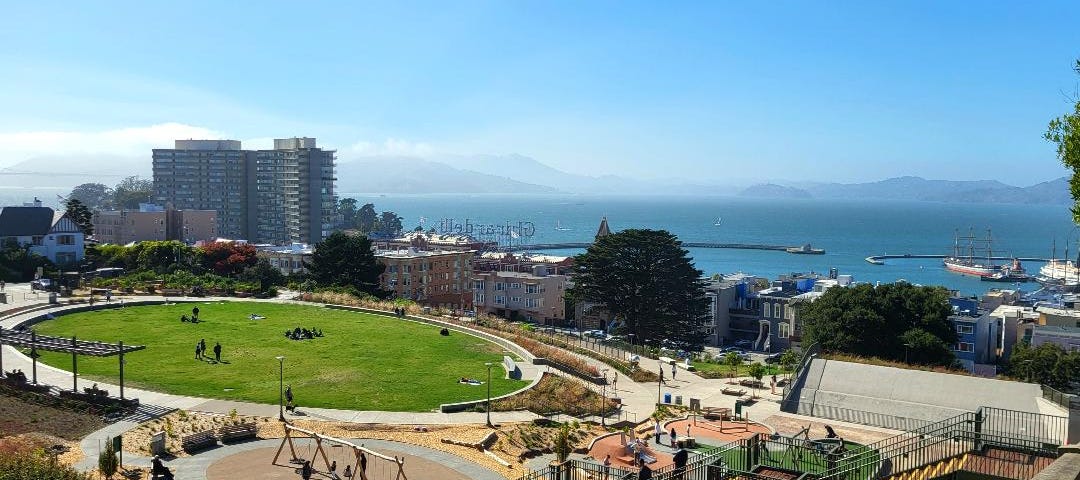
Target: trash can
{"x": 667, "y": 398}
{"x": 52, "y": 297}
{"x": 738, "y": 408}
{"x": 3, "y": 297}
{"x": 678, "y": 399}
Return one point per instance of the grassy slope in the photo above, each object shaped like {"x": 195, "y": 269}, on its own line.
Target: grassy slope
{"x": 364, "y": 362}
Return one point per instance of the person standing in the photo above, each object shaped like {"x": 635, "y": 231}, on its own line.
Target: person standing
{"x": 305, "y": 471}
{"x": 198, "y": 351}
{"x": 195, "y": 313}
{"x": 2, "y": 285}
{"x": 217, "y": 352}
{"x": 645, "y": 473}
{"x": 288, "y": 398}
{"x": 674, "y": 440}
{"x": 673, "y": 372}
{"x": 657, "y": 432}
{"x": 363, "y": 465}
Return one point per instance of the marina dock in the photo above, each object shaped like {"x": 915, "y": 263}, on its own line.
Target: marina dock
{"x": 880, "y": 259}
{"x": 739, "y": 246}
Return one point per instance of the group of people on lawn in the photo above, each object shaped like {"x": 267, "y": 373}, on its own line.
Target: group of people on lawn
{"x": 300, "y": 333}
{"x": 200, "y": 351}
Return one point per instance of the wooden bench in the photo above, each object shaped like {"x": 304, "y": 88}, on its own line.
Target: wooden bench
{"x": 751, "y": 383}
{"x": 172, "y": 292}
{"x": 237, "y": 432}
{"x": 738, "y": 392}
{"x": 198, "y": 441}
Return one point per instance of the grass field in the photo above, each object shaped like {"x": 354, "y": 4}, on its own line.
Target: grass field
{"x": 364, "y": 362}
{"x": 808, "y": 461}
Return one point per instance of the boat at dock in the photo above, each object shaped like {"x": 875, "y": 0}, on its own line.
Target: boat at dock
{"x": 805, "y": 250}
{"x": 975, "y": 258}
{"x": 1009, "y": 274}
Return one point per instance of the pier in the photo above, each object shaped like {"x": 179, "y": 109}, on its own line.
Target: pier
{"x": 880, "y": 259}
{"x": 740, "y": 246}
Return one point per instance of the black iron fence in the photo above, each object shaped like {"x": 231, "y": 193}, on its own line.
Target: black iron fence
{"x": 579, "y": 470}
{"x": 1054, "y": 395}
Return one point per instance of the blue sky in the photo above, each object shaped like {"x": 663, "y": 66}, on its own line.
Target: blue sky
{"x": 845, "y": 91}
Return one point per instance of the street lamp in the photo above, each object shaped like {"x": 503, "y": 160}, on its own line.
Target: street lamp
{"x": 603, "y": 398}
{"x": 281, "y": 387}
{"x": 488, "y": 364}
{"x": 658, "y": 381}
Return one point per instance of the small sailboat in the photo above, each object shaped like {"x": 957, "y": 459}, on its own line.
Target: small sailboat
{"x": 719, "y": 221}
{"x": 559, "y": 227}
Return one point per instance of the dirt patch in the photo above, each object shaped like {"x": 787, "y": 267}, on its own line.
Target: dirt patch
{"x": 18, "y": 416}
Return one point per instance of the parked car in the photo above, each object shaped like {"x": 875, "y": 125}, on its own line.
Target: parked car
{"x": 743, "y": 343}
{"x": 41, "y": 284}
{"x": 774, "y": 358}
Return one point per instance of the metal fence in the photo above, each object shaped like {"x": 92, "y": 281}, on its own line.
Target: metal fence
{"x": 579, "y": 470}
{"x": 1054, "y": 395}
{"x": 787, "y": 399}
{"x": 862, "y": 417}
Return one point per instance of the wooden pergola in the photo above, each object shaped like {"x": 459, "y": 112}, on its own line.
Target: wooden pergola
{"x": 74, "y": 346}
{"x": 384, "y": 466}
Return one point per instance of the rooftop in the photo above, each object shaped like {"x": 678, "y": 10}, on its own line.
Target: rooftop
{"x": 410, "y": 253}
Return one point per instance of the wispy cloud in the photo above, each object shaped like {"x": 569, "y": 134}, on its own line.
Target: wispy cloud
{"x": 17, "y": 146}
{"x": 391, "y": 147}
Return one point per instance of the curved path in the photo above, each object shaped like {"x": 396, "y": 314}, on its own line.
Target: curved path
{"x": 155, "y": 404}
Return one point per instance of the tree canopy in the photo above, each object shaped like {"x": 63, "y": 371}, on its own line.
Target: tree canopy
{"x": 132, "y": 191}
{"x": 646, "y": 280}
{"x": 346, "y": 261}
{"x": 1065, "y": 132}
{"x": 95, "y": 196}
{"x": 878, "y": 321}
{"x": 227, "y": 258}
{"x": 80, "y": 214}
{"x": 1047, "y": 364}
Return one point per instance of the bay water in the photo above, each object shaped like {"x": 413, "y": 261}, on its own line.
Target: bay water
{"x": 849, "y": 230}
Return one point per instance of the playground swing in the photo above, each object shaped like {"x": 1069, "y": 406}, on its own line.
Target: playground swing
{"x": 379, "y": 466}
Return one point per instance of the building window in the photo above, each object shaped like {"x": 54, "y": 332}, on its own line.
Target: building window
{"x": 965, "y": 347}
{"x": 515, "y": 285}
{"x": 534, "y": 303}
{"x": 776, "y": 310}
{"x": 478, "y": 297}
{"x": 515, "y": 299}
{"x": 499, "y": 286}
{"x": 478, "y": 285}
{"x": 766, "y": 310}
{"x": 532, "y": 288}
{"x": 965, "y": 329}
{"x": 392, "y": 269}
{"x": 783, "y": 330}
{"x": 65, "y": 240}
{"x": 500, "y": 300}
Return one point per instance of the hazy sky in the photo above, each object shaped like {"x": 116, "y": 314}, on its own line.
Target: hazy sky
{"x": 704, "y": 90}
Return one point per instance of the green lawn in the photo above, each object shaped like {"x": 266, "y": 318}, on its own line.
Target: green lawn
{"x": 364, "y": 362}
{"x": 808, "y": 461}
{"x": 720, "y": 370}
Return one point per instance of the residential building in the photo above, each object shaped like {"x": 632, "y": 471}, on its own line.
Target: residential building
{"x": 528, "y": 296}
{"x": 48, "y": 233}
{"x": 436, "y": 278}
{"x": 432, "y": 241}
{"x": 153, "y": 222}
{"x": 522, "y": 262}
{"x": 1066, "y": 337}
{"x": 277, "y": 196}
{"x": 977, "y": 336}
{"x": 289, "y": 259}
{"x": 1011, "y": 320}
{"x": 766, "y": 318}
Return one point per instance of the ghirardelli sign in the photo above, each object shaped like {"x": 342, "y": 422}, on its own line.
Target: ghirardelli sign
{"x": 468, "y": 227}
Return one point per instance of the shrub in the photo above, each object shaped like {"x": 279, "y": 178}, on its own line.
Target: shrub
{"x": 107, "y": 462}
{"x": 20, "y": 459}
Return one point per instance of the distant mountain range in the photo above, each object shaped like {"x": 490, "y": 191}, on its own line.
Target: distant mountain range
{"x": 48, "y": 175}
{"x": 1054, "y": 192}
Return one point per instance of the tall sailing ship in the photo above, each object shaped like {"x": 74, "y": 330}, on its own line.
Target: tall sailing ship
{"x": 972, "y": 256}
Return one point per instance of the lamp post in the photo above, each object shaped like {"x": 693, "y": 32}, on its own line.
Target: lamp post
{"x": 281, "y": 387}
{"x": 488, "y": 364}
{"x": 659, "y": 381}
{"x": 603, "y": 398}
{"x": 906, "y": 347}
{"x": 631, "y": 338}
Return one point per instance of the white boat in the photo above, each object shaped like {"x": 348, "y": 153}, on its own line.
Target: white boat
{"x": 719, "y": 221}
{"x": 559, "y": 227}
{"x": 1060, "y": 273}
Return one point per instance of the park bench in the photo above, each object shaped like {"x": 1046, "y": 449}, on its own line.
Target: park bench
{"x": 512, "y": 369}
{"x": 198, "y": 441}
{"x": 738, "y": 392}
{"x": 237, "y": 432}
{"x": 172, "y": 292}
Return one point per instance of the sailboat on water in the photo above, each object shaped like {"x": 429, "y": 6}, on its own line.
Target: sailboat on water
{"x": 719, "y": 221}
{"x": 559, "y": 227}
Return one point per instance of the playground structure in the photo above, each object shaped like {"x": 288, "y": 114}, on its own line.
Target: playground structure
{"x": 383, "y": 466}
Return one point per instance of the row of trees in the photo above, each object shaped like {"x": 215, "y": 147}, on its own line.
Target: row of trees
{"x": 1047, "y": 364}
{"x": 366, "y": 220}
{"x": 127, "y": 194}
{"x": 898, "y": 321}
{"x": 224, "y": 259}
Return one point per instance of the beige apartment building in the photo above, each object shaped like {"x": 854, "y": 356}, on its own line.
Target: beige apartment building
{"x": 121, "y": 227}
{"x": 434, "y": 278}
{"x": 533, "y": 297}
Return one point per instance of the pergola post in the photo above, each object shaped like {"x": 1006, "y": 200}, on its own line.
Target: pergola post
{"x": 74, "y": 367}
{"x": 1, "y": 352}
{"x": 121, "y": 344}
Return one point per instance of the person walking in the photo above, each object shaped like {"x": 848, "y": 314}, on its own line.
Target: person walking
{"x": 657, "y": 431}
{"x": 198, "y": 351}
{"x": 674, "y": 440}
{"x": 217, "y": 352}
{"x": 673, "y": 369}
{"x": 363, "y": 465}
